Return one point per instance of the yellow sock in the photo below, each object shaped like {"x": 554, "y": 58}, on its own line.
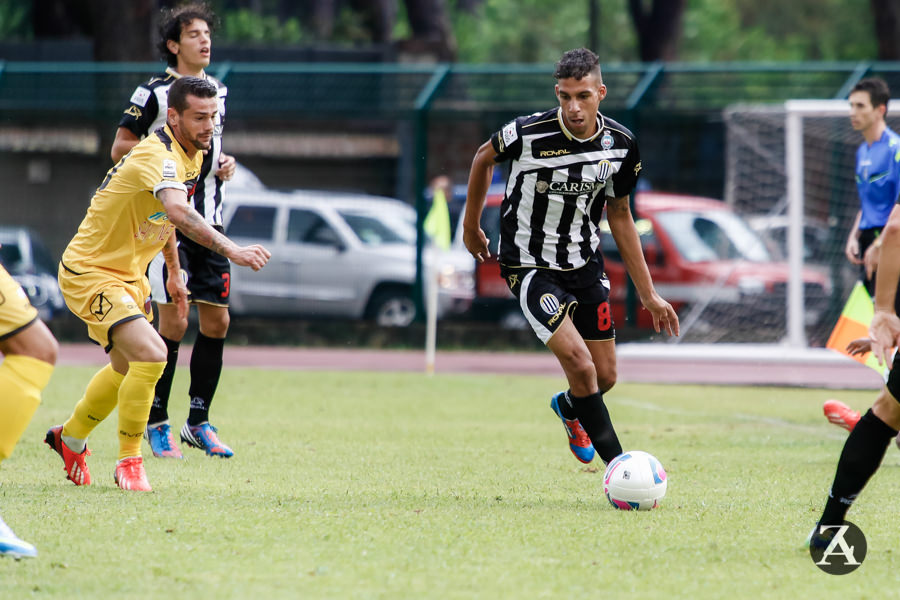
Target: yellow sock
{"x": 99, "y": 400}
{"x": 21, "y": 380}
{"x": 135, "y": 400}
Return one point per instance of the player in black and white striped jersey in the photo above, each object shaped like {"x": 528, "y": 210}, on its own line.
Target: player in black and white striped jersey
{"x": 567, "y": 164}
{"x": 186, "y": 44}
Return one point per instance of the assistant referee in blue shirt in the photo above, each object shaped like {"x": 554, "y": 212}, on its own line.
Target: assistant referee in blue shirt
{"x": 877, "y": 174}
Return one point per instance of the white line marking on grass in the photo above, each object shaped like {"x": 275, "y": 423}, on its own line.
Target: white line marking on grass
{"x": 813, "y": 430}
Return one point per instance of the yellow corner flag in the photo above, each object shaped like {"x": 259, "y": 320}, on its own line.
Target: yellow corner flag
{"x": 854, "y": 324}
{"x": 437, "y": 221}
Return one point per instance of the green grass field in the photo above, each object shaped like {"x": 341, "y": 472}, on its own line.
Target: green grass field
{"x": 364, "y": 485}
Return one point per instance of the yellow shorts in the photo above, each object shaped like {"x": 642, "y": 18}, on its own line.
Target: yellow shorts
{"x": 16, "y": 312}
{"x": 102, "y": 301}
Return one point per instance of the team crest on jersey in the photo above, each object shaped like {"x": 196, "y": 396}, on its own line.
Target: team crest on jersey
{"x": 604, "y": 168}
{"x": 140, "y": 96}
{"x": 606, "y": 140}
{"x": 168, "y": 169}
{"x": 549, "y": 304}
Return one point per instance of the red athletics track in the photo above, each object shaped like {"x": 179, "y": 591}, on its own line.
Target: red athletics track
{"x": 727, "y": 364}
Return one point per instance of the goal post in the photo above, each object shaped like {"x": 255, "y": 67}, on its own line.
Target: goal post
{"x": 796, "y": 113}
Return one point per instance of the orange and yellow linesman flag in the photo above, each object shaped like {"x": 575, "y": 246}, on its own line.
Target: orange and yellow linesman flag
{"x": 854, "y": 324}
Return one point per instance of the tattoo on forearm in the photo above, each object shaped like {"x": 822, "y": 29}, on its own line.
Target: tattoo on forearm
{"x": 196, "y": 228}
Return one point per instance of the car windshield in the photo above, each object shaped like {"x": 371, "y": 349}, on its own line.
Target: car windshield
{"x": 374, "y": 230}
{"x": 713, "y": 235}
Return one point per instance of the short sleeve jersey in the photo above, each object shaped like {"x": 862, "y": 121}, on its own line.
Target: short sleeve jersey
{"x": 146, "y": 112}
{"x": 878, "y": 179}
{"x": 557, "y": 188}
{"x": 125, "y": 225}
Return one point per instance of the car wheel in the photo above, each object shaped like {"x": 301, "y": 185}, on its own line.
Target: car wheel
{"x": 393, "y": 308}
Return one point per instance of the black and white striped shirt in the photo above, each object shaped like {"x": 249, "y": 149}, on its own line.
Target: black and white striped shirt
{"x": 146, "y": 113}
{"x": 558, "y": 186}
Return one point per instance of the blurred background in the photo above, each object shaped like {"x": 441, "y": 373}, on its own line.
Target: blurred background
{"x": 347, "y": 115}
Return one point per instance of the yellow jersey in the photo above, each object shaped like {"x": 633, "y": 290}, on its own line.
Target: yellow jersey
{"x": 125, "y": 225}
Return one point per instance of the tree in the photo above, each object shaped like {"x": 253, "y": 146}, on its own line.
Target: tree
{"x": 887, "y": 28}
{"x": 123, "y": 31}
{"x": 659, "y": 29}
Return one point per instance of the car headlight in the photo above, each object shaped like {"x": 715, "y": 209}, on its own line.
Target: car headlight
{"x": 751, "y": 286}
{"x": 451, "y": 278}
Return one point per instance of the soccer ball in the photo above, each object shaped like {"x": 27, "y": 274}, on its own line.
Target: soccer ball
{"x": 634, "y": 481}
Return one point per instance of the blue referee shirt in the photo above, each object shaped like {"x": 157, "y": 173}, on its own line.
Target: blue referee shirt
{"x": 878, "y": 178}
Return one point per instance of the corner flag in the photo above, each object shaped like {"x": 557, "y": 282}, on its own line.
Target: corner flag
{"x": 854, "y": 324}
{"x": 437, "y": 221}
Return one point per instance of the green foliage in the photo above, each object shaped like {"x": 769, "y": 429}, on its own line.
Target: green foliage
{"x": 389, "y": 485}
{"x": 759, "y": 30}
{"x": 15, "y": 19}
{"x": 713, "y": 30}
{"x": 503, "y": 31}
{"x": 247, "y": 26}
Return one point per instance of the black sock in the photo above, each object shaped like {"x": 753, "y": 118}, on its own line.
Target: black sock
{"x": 594, "y": 417}
{"x": 206, "y": 366}
{"x": 860, "y": 458}
{"x": 159, "y": 411}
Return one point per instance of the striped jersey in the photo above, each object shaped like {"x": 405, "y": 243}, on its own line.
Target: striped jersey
{"x": 557, "y": 188}
{"x": 146, "y": 112}
{"x": 125, "y": 225}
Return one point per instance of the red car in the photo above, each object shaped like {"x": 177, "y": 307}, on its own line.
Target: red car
{"x": 698, "y": 251}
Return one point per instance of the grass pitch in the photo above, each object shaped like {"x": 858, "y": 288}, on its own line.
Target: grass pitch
{"x": 365, "y": 485}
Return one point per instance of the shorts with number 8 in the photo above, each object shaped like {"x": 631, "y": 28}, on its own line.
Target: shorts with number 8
{"x": 546, "y": 297}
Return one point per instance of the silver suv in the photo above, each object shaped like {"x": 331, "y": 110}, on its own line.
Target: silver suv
{"x": 337, "y": 255}
{"x": 26, "y": 258}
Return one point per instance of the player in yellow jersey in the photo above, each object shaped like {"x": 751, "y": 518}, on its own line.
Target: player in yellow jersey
{"x": 102, "y": 275}
{"x": 29, "y": 353}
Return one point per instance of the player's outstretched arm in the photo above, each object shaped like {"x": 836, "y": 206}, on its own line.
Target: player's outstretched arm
{"x": 193, "y": 225}
{"x": 885, "y": 327}
{"x": 624, "y": 232}
{"x": 479, "y": 181}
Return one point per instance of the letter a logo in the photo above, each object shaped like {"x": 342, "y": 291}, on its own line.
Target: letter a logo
{"x": 838, "y": 549}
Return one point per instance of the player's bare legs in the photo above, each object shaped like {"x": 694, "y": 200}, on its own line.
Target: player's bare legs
{"x": 589, "y": 371}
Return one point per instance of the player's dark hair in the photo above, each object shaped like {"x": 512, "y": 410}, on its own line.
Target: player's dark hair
{"x": 189, "y": 86}
{"x": 878, "y": 91}
{"x": 577, "y": 64}
{"x": 173, "y": 21}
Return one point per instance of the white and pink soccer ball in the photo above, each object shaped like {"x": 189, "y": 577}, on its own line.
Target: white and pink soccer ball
{"x": 634, "y": 480}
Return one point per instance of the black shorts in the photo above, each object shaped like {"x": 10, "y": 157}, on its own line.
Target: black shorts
{"x": 547, "y": 296}
{"x": 207, "y": 275}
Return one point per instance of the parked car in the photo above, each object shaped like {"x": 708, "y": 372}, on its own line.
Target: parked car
{"x": 24, "y": 256}
{"x": 337, "y": 255}
{"x": 697, "y": 250}
{"x": 700, "y": 251}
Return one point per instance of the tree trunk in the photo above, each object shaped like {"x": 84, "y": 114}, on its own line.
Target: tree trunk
{"x": 123, "y": 31}
{"x": 659, "y": 30}
{"x": 432, "y": 34}
{"x": 887, "y": 28}
{"x": 379, "y": 16}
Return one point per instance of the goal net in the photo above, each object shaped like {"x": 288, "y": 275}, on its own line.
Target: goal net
{"x": 790, "y": 175}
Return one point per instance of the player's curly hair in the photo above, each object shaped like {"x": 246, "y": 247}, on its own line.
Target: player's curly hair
{"x": 577, "y": 63}
{"x": 172, "y": 21}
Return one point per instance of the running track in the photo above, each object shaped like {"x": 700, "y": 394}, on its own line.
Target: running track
{"x": 638, "y": 363}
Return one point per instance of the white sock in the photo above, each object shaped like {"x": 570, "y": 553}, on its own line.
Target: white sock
{"x": 76, "y": 445}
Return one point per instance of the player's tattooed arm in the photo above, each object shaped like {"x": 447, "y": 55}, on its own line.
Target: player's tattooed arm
{"x": 194, "y": 226}
{"x": 191, "y": 223}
